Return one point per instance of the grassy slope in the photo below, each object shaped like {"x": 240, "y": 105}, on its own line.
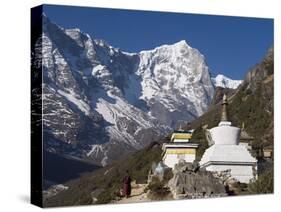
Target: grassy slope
{"x": 109, "y": 179}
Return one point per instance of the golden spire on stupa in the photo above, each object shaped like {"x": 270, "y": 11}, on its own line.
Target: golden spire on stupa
{"x": 224, "y": 109}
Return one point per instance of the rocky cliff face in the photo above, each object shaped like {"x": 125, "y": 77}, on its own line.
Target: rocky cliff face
{"x": 261, "y": 71}
{"x": 191, "y": 182}
{"x": 100, "y": 102}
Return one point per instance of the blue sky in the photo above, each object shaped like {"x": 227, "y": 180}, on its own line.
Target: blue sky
{"x": 231, "y": 45}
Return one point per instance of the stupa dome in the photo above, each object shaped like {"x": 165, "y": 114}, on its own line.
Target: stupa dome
{"x": 225, "y": 135}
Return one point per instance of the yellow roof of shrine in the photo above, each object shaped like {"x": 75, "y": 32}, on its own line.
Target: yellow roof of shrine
{"x": 184, "y": 135}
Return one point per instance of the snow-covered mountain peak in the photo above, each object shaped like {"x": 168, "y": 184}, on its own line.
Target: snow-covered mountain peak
{"x": 181, "y": 44}
{"x": 112, "y": 102}
{"x": 178, "y": 45}
{"x": 175, "y": 47}
{"x": 225, "y": 82}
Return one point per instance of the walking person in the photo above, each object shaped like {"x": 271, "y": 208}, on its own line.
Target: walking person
{"x": 127, "y": 185}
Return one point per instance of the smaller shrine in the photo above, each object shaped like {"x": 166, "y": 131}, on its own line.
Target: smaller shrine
{"x": 180, "y": 148}
{"x": 225, "y": 151}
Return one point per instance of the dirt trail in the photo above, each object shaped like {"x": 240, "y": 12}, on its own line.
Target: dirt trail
{"x": 137, "y": 194}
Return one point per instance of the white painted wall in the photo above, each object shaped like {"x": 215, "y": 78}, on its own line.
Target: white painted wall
{"x": 171, "y": 159}
{"x": 243, "y": 173}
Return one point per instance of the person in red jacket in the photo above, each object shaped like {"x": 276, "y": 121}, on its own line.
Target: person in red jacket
{"x": 127, "y": 185}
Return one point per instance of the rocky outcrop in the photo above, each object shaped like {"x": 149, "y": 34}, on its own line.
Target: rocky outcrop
{"x": 191, "y": 182}
{"x": 261, "y": 71}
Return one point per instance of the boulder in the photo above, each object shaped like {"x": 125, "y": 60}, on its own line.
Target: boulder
{"x": 191, "y": 182}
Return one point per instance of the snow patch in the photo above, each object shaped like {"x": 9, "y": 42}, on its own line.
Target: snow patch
{"x": 54, "y": 190}
{"x": 96, "y": 149}
{"x": 105, "y": 110}
{"x": 97, "y": 69}
{"x": 83, "y": 106}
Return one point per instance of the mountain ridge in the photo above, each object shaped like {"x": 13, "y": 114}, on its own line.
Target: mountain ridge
{"x": 100, "y": 102}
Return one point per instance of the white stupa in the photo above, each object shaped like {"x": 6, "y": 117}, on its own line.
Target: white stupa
{"x": 225, "y": 153}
